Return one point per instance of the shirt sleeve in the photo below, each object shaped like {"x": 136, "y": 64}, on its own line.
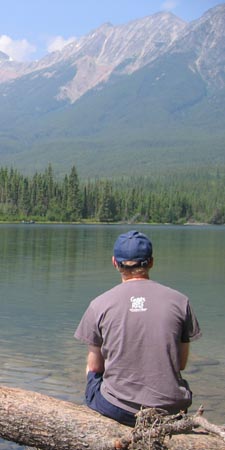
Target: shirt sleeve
{"x": 88, "y": 330}
{"x": 191, "y": 329}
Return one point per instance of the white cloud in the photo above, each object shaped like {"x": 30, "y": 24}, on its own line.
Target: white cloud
{"x": 19, "y": 50}
{"x": 169, "y": 5}
{"x": 58, "y": 42}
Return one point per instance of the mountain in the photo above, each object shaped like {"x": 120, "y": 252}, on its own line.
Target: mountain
{"x": 133, "y": 99}
{"x": 204, "y": 39}
{"x": 3, "y": 57}
{"x": 94, "y": 57}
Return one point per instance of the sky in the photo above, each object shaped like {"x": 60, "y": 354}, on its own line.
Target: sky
{"x": 29, "y": 29}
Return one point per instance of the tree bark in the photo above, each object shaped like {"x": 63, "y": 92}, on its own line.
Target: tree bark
{"x": 36, "y": 420}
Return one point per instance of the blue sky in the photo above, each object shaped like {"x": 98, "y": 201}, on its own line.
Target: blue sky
{"x": 29, "y": 29}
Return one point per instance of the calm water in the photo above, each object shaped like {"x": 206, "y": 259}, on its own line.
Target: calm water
{"x": 48, "y": 276}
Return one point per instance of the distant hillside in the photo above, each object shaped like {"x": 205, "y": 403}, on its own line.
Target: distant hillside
{"x": 134, "y": 99}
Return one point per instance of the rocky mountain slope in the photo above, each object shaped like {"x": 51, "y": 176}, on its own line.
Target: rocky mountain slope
{"x": 95, "y": 56}
{"x": 155, "y": 85}
{"x": 205, "y": 39}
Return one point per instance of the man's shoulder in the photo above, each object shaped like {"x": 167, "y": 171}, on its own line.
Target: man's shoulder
{"x": 106, "y": 294}
{"x": 168, "y": 291}
{"x": 165, "y": 287}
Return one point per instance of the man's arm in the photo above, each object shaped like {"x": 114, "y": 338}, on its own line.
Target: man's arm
{"x": 184, "y": 352}
{"x": 95, "y": 360}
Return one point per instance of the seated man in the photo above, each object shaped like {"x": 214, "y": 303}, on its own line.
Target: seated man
{"x": 138, "y": 335}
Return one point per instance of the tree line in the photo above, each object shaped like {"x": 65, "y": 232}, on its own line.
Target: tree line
{"x": 188, "y": 196}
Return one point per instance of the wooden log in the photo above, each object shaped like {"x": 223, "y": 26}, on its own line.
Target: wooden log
{"x": 33, "y": 419}
{"x": 43, "y": 422}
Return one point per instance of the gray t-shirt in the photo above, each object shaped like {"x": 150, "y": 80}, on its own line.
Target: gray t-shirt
{"x": 139, "y": 325}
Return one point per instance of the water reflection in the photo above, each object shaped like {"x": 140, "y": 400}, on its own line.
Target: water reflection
{"x": 48, "y": 275}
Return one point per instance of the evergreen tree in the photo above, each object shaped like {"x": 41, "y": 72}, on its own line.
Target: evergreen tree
{"x": 85, "y": 204}
{"x": 73, "y": 198}
{"x": 25, "y": 205}
{"x": 107, "y": 209}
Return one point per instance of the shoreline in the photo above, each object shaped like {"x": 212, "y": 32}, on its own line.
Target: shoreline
{"x": 88, "y": 222}
{"x": 33, "y": 222}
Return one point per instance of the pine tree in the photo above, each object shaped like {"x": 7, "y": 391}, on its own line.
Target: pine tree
{"x": 107, "y": 210}
{"x": 73, "y": 199}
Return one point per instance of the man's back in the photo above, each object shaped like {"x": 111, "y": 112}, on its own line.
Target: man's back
{"x": 138, "y": 325}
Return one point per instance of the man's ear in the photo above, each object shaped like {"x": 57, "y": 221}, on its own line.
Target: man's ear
{"x": 114, "y": 263}
{"x": 151, "y": 263}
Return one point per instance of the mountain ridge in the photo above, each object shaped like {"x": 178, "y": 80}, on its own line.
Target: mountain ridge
{"x": 151, "y": 93}
{"x": 101, "y": 51}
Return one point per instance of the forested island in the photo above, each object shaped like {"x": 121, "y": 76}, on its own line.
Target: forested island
{"x": 180, "y": 197}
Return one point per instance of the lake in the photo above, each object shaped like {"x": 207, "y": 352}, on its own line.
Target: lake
{"x": 49, "y": 274}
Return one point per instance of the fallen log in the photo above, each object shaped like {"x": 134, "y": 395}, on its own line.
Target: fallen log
{"x": 36, "y": 420}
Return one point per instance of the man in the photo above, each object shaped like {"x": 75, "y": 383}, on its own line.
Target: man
{"x": 138, "y": 335}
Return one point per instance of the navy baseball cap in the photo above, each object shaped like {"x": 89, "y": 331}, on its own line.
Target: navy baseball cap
{"x": 132, "y": 246}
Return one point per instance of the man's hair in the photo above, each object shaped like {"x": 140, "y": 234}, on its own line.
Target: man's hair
{"x": 131, "y": 269}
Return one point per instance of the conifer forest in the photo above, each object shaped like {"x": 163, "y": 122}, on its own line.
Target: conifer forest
{"x": 174, "y": 197}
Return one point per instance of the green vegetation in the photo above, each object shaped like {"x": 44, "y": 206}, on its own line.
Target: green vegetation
{"x": 192, "y": 195}
{"x": 154, "y": 119}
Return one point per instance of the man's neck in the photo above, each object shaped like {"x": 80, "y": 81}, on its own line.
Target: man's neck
{"x": 136, "y": 278}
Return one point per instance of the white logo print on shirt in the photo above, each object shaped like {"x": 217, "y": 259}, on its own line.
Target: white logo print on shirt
{"x": 137, "y": 304}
